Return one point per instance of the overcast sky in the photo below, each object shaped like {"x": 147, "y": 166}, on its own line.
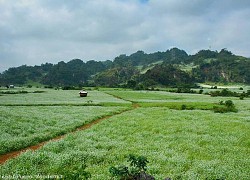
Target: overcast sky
{"x": 33, "y": 32}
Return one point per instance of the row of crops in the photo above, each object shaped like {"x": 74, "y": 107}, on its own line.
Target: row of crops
{"x": 181, "y": 144}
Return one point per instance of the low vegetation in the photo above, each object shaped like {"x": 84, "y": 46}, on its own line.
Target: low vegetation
{"x": 227, "y": 93}
{"x": 228, "y": 107}
{"x": 192, "y": 145}
{"x": 189, "y": 141}
{"x": 23, "y": 126}
{"x": 136, "y": 170}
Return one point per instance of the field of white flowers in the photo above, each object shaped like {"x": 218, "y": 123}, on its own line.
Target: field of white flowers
{"x": 180, "y": 144}
{"x": 23, "y": 126}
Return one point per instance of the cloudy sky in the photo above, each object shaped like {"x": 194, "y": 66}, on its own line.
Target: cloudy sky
{"x": 33, "y": 32}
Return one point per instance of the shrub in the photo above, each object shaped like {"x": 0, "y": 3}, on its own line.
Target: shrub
{"x": 68, "y": 88}
{"x": 71, "y": 88}
{"x": 241, "y": 97}
{"x": 227, "y": 93}
{"x": 39, "y": 91}
{"x": 76, "y": 172}
{"x": 136, "y": 170}
{"x": 229, "y": 103}
{"x": 49, "y": 86}
{"x": 228, "y": 107}
{"x": 200, "y": 91}
{"x": 120, "y": 171}
{"x": 183, "y": 107}
{"x": 183, "y": 90}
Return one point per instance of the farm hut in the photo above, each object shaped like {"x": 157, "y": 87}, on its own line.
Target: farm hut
{"x": 11, "y": 86}
{"x": 83, "y": 93}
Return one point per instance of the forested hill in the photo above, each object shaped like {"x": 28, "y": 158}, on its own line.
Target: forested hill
{"x": 172, "y": 68}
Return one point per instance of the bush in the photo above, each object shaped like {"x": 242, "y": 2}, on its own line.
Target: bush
{"x": 136, "y": 170}
{"x": 183, "y": 107}
{"x": 39, "y": 91}
{"x": 229, "y": 103}
{"x": 228, "y": 107}
{"x": 71, "y": 88}
{"x": 76, "y": 172}
{"x": 227, "y": 93}
{"x": 49, "y": 86}
{"x": 241, "y": 97}
{"x": 183, "y": 90}
{"x": 68, "y": 88}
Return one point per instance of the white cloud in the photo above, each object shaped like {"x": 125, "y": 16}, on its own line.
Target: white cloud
{"x": 33, "y": 32}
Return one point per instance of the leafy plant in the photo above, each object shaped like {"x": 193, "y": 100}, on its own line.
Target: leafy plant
{"x": 138, "y": 163}
{"x": 242, "y": 96}
{"x": 228, "y": 107}
{"x": 183, "y": 107}
{"x": 136, "y": 170}
{"x": 200, "y": 91}
{"x": 229, "y": 103}
{"x": 120, "y": 171}
{"x": 76, "y": 172}
{"x": 228, "y": 93}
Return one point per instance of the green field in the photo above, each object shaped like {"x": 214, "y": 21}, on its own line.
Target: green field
{"x": 57, "y": 97}
{"x": 22, "y": 126}
{"x": 180, "y": 144}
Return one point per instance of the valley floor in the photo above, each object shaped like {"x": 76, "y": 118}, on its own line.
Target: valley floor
{"x": 180, "y": 144}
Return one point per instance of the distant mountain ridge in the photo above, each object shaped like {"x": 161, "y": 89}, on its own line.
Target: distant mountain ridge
{"x": 172, "y": 68}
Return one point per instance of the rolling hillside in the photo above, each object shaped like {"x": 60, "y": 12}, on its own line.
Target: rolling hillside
{"x": 173, "y": 67}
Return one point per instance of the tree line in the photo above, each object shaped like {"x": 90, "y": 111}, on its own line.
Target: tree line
{"x": 138, "y": 70}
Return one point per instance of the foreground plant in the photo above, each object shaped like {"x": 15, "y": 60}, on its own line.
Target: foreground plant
{"x": 76, "y": 172}
{"x": 136, "y": 170}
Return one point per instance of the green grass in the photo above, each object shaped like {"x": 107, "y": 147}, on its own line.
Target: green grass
{"x": 179, "y": 105}
{"x": 51, "y": 96}
{"x": 179, "y": 144}
{"x": 22, "y": 126}
{"x": 186, "y": 144}
{"x": 145, "y": 96}
{"x": 176, "y": 100}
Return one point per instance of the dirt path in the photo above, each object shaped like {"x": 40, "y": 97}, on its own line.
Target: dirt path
{"x": 10, "y": 155}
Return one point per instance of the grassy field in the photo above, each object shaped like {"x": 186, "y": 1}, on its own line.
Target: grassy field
{"x": 173, "y": 100}
{"x": 56, "y": 97}
{"x": 22, "y": 126}
{"x": 180, "y": 144}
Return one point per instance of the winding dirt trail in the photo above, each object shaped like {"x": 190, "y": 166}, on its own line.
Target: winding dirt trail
{"x": 10, "y": 155}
